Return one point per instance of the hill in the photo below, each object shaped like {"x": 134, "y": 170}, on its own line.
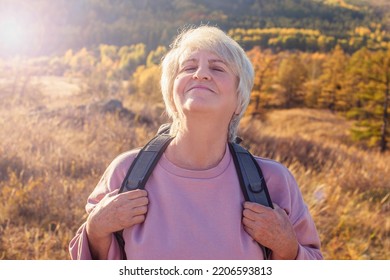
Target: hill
{"x": 54, "y": 27}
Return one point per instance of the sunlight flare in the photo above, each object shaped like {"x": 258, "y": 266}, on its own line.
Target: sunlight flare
{"x": 13, "y": 32}
{"x": 17, "y": 33}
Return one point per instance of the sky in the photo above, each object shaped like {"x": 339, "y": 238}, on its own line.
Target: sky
{"x": 22, "y": 27}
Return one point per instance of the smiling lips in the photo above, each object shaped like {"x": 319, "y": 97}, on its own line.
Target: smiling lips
{"x": 202, "y": 87}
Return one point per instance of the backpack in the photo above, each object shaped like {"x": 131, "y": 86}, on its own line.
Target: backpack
{"x": 249, "y": 173}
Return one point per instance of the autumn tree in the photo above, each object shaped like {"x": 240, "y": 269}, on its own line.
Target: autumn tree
{"x": 81, "y": 63}
{"x": 154, "y": 57}
{"x": 146, "y": 82}
{"x": 130, "y": 57}
{"x": 312, "y": 87}
{"x": 334, "y": 95}
{"x": 291, "y": 78}
{"x": 372, "y": 72}
{"x": 264, "y": 63}
{"x": 108, "y": 60}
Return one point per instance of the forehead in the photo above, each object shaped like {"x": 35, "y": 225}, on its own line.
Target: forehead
{"x": 195, "y": 55}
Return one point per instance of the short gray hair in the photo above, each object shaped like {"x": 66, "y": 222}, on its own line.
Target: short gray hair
{"x": 215, "y": 40}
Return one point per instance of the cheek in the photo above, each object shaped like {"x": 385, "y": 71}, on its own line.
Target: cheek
{"x": 231, "y": 90}
{"x": 178, "y": 90}
{"x": 232, "y": 94}
{"x": 178, "y": 86}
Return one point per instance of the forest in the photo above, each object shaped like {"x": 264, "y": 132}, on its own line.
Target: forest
{"x": 89, "y": 23}
{"x": 83, "y": 86}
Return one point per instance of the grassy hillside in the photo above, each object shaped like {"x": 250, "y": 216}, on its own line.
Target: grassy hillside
{"x": 55, "y": 147}
{"x": 347, "y": 189}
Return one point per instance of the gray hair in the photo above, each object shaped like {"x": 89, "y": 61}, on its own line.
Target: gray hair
{"x": 215, "y": 40}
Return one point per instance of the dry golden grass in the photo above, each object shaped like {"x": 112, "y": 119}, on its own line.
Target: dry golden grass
{"x": 53, "y": 151}
{"x": 347, "y": 189}
{"x": 54, "y": 148}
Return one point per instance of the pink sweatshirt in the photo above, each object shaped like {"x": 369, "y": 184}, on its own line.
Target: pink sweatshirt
{"x": 197, "y": 214}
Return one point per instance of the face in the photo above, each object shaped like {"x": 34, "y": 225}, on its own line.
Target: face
{"x": 205, "y": 84}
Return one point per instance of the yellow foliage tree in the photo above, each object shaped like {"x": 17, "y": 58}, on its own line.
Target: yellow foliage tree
{"x": 146, "y": 82}
{"x": 264, "y": 64}
{"x": 333, "y": 90}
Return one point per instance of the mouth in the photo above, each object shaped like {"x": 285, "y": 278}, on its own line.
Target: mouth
{"x": 200, "y": 87}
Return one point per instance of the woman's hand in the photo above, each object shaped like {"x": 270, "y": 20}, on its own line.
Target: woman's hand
{"x": 114, "y": 213}
{"x": 271, "y": 228}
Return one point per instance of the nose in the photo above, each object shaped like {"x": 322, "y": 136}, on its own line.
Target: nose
{"x": 202, "y": 73}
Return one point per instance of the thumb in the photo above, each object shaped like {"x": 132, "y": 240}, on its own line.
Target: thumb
{"x": 278, "y": 208}
{"x": 113, "y": 193}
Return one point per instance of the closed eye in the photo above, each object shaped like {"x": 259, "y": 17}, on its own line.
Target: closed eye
{"x": 188, "y": 69}
{"x": 218, "y": 69}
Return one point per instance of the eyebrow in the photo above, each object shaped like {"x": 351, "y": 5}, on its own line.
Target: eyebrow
{"x": 211, "y": 61}
{"x": 216, "y": 61}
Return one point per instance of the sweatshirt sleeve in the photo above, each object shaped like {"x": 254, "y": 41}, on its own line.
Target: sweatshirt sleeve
{"x": 111, "y": 180}
{"x": 285, "y": 192}
{"x": 79, "y": 249}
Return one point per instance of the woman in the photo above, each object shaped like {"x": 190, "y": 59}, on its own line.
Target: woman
{"x": 192, "y": 206}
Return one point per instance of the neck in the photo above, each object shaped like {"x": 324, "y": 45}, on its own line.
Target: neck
{"x": 198, "y": 146}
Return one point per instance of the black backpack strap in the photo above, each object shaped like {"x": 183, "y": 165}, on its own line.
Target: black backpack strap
{"x": 250, "y": 175}
{"x": 143, "y": 165}
{"x": 141, "y": 169}
{"x": 252, "y": 180}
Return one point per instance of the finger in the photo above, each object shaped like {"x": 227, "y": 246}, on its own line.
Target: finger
{"x": 279, "y": 209}
{"x": 124, "y": 205}
{"x": 140, "y": 210}
{"x": 113, "y": 193}
{"x": 138, "y": 219}
{"x": 255, "y": 207}
{"x": 137, "y": 202}
{"x": 134, "y": 194}
{"x": 130, "y": 217}
{"x": 249, "y": 230}
{"x": 248, "y": 222}
{"x": 249, "y": 214}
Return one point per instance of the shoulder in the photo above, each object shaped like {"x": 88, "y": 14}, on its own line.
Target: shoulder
{"x": 117, "y": 169}
{"x": 112, "y": 177}
{"x": 282, "y": 186}
{"x": 124, "y": 160}
{"x": 273, "y": 168}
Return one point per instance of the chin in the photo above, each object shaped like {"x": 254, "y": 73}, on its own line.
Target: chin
{"x": 198, "y": 107}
